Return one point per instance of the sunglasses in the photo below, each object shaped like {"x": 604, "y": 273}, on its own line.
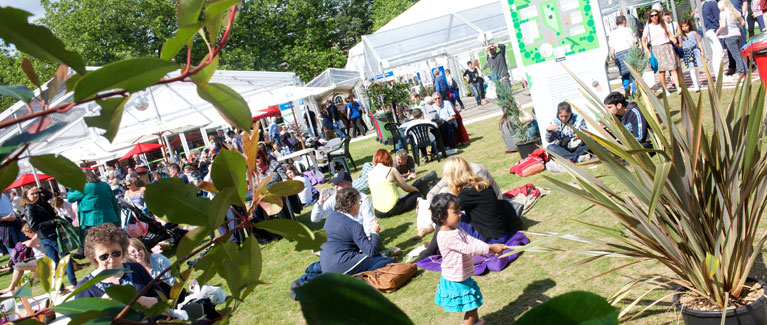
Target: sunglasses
{"x": 654, "y": 15}
{"x": 115, "y": 254}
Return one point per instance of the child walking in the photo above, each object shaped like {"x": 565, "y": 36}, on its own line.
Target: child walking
{"x": 457, "y": 291}
{"x": 692, "y": 55}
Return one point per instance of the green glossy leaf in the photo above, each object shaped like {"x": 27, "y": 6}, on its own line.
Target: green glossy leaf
{"x": 61, "y": 271}
{"x": 6, "y": 151}
{"x": 320, "y": 237}
{"x": 228, "y": 171}
{"x": 220, "y": 205}
{"x": 214, "y": 16}
{"x": 28, "y": 321}
{"x": 21, "y": 93}
{"x": 291, "y": 230}
{"x": 271, "y": 204}
{"x": 8, "y": 174}
{"x": 285, "y": 188}
{"x": 183, "y": 207}
{"x": 353, "y": 302}
{"x": 188, "y": 12}
{"x": 23, "y": 292}
{"x": 207, "y": 264}
{"x": 204, "y": 75}
{"x": 158, "y": 309}
{"x": 29, "y": 70}
{"x": 78, "y": 306}
{"x": 62, "y": 169}
{"x": 577, "y": 307}
{"x": 228, "y": 270}
{"x": 183, "y": 37}
{"x": 109, "y": 117}
{"x": 45, "y": 269}
{"x": 131, "y": 74}
{"x": 71, "y": 83}
{"x": 228, "y": 102}
{"x": 37, "y": 41}
{"x": 101, "y": 276}
{"x": 85, "y": 317}
{"x": 251, "y": 260}
{"x": 191, "y": 241}
{"x": 124, "y": 294}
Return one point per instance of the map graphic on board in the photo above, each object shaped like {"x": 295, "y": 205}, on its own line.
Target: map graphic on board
{"x": 548, "y": 30}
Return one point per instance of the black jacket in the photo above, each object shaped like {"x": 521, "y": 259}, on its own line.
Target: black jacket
{"x": 41, "y": 216}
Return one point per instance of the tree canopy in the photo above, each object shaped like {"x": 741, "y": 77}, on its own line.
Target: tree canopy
{"x": 303, "y": 36}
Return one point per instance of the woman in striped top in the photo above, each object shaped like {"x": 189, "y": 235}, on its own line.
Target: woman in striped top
{"x": 457, "y": 291}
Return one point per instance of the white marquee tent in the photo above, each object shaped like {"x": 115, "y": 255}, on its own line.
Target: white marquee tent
{"x": 168, "y": 108}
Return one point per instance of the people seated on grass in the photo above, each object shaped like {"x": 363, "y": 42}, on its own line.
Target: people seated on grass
{"x": 348, "y": 249}
{"x": 405, "y": 165}
{"x": 42, "y": 220}
{"x": 445, "y": 119}
{"x": 419, "y": 119}
{"x": 477, "y": 169}
{"x": 106, "y": 247}
{"x": 457, "y": 291}
{"x": 630, "y": 116}
{"x": 327, "y": 203}
{"x": 562, "y": 139}
{"x": 487, "y": 218}
{"x": 306, "y": 195}
{"x": 384, "y": 181}
{"x": 10, "y": 222}
{"x": 28, "y": 264}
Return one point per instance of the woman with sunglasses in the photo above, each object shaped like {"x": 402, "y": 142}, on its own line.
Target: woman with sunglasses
{"x": 657, "y": 39}
{"x": 42, "y": 220}
{"x": 106, "y": 246}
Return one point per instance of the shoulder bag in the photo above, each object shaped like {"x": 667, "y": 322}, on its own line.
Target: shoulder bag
{"x": 390, "y": 277}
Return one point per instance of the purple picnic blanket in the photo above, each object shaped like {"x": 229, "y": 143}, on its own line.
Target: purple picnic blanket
{"x": 482, "y": 263}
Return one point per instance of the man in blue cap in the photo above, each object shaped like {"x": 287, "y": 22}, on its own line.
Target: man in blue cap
{"x": 327, "y": 203}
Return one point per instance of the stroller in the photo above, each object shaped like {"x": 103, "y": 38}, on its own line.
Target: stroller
{"x": 155, "y": 232}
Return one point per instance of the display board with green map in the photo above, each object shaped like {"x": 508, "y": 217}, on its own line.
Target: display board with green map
{"x": 548, "y": 30}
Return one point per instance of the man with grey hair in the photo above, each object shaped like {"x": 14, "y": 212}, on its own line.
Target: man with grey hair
{"x": 405, "y": 165}
{"x": 445, "y": 119}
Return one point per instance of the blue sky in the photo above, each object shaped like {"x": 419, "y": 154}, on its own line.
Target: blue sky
{"x": 32, "y": 6}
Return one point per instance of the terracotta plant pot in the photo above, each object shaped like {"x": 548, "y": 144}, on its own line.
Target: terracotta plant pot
{"x": 754, "y": 313}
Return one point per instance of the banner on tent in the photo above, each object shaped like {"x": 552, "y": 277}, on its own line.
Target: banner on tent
{"x": 547, "y": 34}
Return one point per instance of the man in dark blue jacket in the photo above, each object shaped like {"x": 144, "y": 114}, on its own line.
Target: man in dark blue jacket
{"x": 711, "y": 22}
{"x": 629, "y": 115}
{"x": 440, "y": 84}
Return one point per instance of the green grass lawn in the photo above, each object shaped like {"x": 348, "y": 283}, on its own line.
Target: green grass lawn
{"x": 530, "y": 280}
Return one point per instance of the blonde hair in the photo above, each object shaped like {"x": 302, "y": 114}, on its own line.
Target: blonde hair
{"x": 725, "y": 5}
{"x": 138, "y": 244}
{"x": 458, "y": 174}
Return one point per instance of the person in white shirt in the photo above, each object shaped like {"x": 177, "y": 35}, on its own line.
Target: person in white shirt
{"x": 327, "y": 203}
{"x": 730, "y": 22}
{"x": 428, "y": 110}
{"x": 621, "y": 40}
{"x": 305, "y": 195}
{"x": 445, "y": 119}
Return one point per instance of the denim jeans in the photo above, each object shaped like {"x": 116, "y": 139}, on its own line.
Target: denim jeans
{"x": 52, "y": 251}
{"x": 338, "y": 130}
{"x": 477, "y": 92}
{"x": 567, "y": 154}
{"x": 732, "y": 46}
{"x": 446, "y": 130}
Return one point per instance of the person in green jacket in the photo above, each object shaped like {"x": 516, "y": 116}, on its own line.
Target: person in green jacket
{"x": 98, "y": 205}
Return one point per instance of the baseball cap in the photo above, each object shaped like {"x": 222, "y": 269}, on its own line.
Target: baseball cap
{"x": 341, "y": 176}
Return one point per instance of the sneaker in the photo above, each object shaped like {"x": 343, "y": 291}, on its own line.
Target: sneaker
{"x": 583, "y": 158}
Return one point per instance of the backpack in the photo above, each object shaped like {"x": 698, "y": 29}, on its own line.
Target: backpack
{"x": 390, "y": 277}
{"x": 21, "y": 253}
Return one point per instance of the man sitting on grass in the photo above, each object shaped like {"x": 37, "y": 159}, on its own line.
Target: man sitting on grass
{"x": 405, "y": 165}
{"x": 630, "y": 116}
{"x": 327, "y": 203}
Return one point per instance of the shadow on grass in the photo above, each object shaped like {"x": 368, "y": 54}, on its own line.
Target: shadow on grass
{"x": 530, "y": 297}
{"x": 388, "y": 235}
{"x": 636, "y": 314}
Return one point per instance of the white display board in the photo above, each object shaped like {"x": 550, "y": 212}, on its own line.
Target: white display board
{"x": 546, "y": 34}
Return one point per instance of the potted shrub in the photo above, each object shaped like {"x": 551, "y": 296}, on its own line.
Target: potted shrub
{"x": 693, "y": 203}
{"x": 637, "y": 59}
{"x": 514, "y": 123}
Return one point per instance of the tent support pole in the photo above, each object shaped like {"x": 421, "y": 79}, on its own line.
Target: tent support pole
{"x": 34, "y": 170}
{"x": 185, "y": 145}
{"x": 298, "y": 127}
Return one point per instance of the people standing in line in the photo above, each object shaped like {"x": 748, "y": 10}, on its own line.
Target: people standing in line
{"x": 354, "y": 113}
{"x": 453, "y": 89}
{"x": 496, "y": 62}
{"x": 328, "y": 127}
{"x": 473, "y": 76}
{"x": 10, "y": 224}
{"x": 657, "y": 40}
{"x": 730, "y": 23}
{"x": 693, "y": 56}
{"x": 42, "y": 220}
{"x": 440, "y": 84}
{"x": 621, "y": 40}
